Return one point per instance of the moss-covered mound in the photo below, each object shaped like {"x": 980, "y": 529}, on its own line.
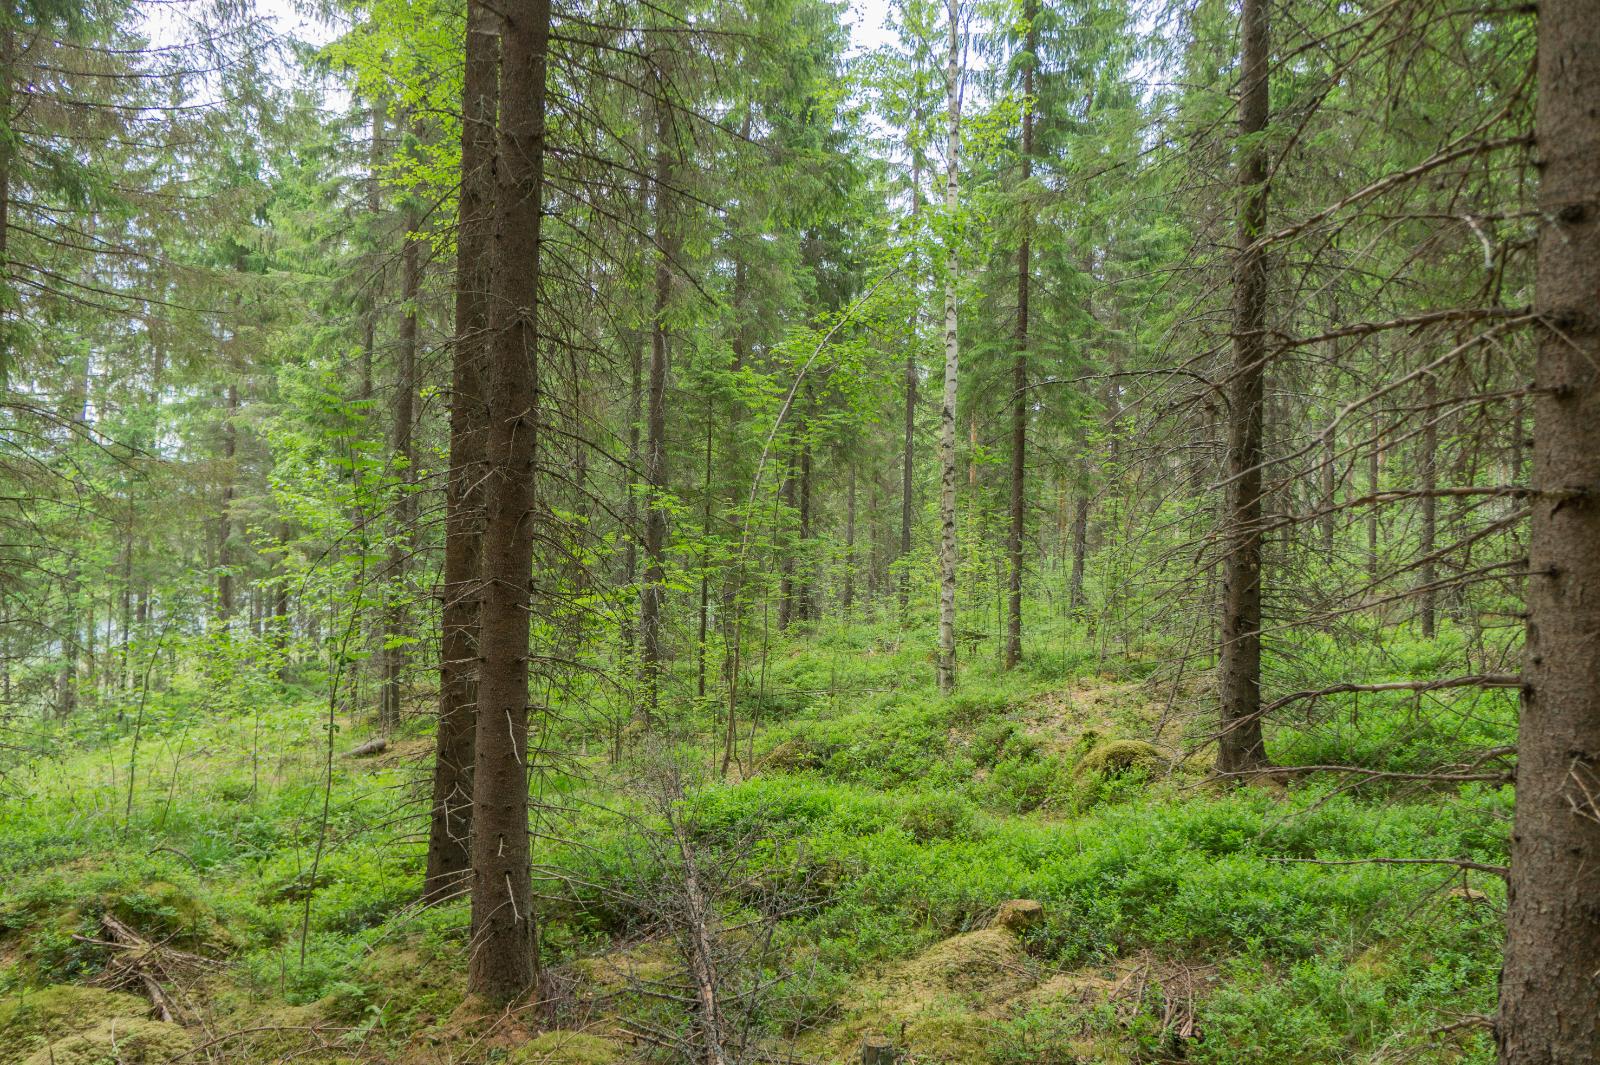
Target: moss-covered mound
{"x": 1118, "y": 756}
{"x": 568, "y": 1048}
{"x": 31, "y": 1020}
{"x": 941, "y": 1006}
{"x": 117, "y": 1041}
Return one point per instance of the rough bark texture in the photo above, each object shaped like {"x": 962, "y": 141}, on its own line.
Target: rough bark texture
{"x": 1550, "y": 985}
{"x": 503, "y": 960}
{"x": 952, "y": 351}
{"x": 1240, "y": 745}
{"x": 1019, "y": 369}
{"x": 450, "y": 823}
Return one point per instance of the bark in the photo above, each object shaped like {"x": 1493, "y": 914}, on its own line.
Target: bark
{"x": 1080, "y": 548}
{"x": 1240, "y": 745}
{"x": 403, "y": 516}
{"x": 655, "y": 452}
{"x": 450, "y": 820}
{"x": 908, "y": 454}
{"x": 1548, "y": 985}
{"x": 847, "y": 599}
{"x": 1373, "y": 458}
{"x": 704, "y": 617}
{"x": 230, "y": 448}
{"x": 1019, "y": 367}
{"x": 503, "y": 959}
{"x": 1428, "y": 474}
{"x": 947, "y": 409}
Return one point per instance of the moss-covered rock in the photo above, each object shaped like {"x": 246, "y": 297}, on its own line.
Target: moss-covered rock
{"x": 117, "y": 1041}
{"x": 568, "y": 1048}
{"x": 34, "y": 1019}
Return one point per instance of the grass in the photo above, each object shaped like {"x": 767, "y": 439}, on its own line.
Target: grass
{"x": 1180, "y": 917}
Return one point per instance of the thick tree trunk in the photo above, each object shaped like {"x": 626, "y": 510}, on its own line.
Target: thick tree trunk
{"x": 947, "y": 409}
{"x": 1019, "y": 367}
{"x": 1240, "y": 745}
{"x": 450, "y": 821}
{"x": 1551, "y": 980}
{"x": 503, "y": 958}
{"x": 655, "y": 449}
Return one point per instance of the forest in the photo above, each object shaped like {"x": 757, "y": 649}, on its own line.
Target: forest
{"x": 937, "y": 532}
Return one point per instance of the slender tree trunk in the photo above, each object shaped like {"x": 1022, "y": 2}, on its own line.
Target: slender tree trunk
{"x": 230, "y": 449}
{"x": 1548, "y": 1013}
{"x": 847, "y": 600}
{"x": 704, "y": 618}
{"x": 954, "y": 81}
{"x": 786, "y": 501}
{"x": 403, "y": 463}
{"x": 630, "y": 554}
{"x": 803, "y": 593}
{"x": 1427, "y": 573}
{"x": 1080, "y": 549}
{"x": 1019, "y": 366}
{"x": 503, "y": 960}
{"x": 908, "y": 454}
{"x": 1373, "y": 457}
{"x": 450, "y": 820}
{"x": 655, "y": 455}
{"x": 1240, "y": 745}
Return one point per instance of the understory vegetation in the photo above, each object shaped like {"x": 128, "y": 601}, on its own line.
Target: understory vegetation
{"x": 860, "y": 856}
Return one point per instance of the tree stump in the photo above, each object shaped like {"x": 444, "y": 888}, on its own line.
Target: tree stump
{"x": 879, "y": 1051}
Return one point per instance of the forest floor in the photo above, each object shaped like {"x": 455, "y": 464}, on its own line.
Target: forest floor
{"x": 863, "y": 857}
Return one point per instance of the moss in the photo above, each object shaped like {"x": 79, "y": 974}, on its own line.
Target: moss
{"x": 1118, "y": 756}
{"x": 117, "y": 1041}
{"x": 30, "y": 1021}
{"x": 568, "y": 1048}
{"x": 940, "y": 1006}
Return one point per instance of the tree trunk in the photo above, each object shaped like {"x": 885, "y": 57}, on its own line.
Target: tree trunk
{"x": 1240, "y": 745}
{"x": 947, "y": 410}
{"x": 908, "y": 454}
{"x": 230, "y": 449}
{"x": 1019, "y": 366}
{"x": 1547, "y": 987}
{"x": 1428, "y": 474}
{"x": 403, "y": 469}
{"x": 503, "y": 958}
{"x": 1080, "y": 549}
{"x": 847, "y": 599}
{"x": 450, "y": 821}
{"x": 655, "y": 452}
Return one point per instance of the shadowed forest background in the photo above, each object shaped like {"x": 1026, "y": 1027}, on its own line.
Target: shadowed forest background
{"x": 1055, "y": 531}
